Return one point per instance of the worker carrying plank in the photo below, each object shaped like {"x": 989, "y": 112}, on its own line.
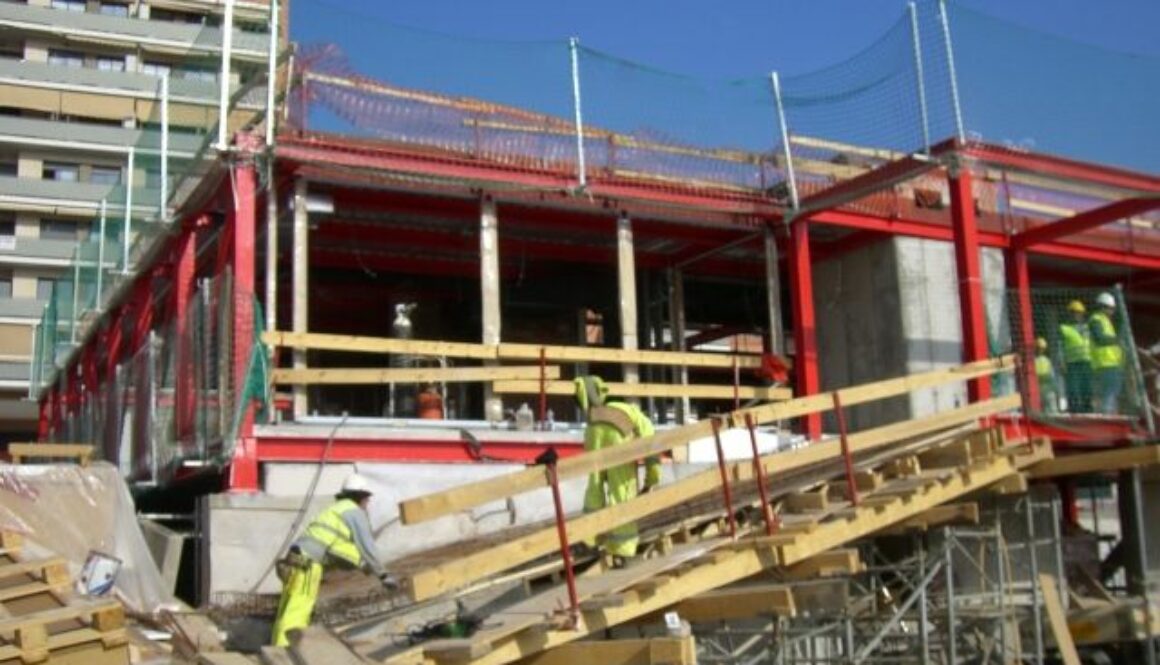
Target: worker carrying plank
{"x": 612, "y": 423}
{"x": 339, "y": 537}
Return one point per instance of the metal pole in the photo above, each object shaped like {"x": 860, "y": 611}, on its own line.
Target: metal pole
{"x": 950, "y": 573}
{"x": 98, "y": 301}
{"x": 783, "y": 128}
{"x": 581, "y": 166}
{"x": 946, "y": 30}
{"x": 300, "y": 276}
{"x": 847, "y": 458}
{"x": 726, "y": 490}
{"x": 773, "y": 294}
{"x": 76, "y": 295}
{"x": 1001, "y": 591}
{"x": 224, "y": 87}
{"x": 916, "y": 41}
{"x": 1029, "y": 512}
{"x": 128, "y": 210}
{"x": 923, "y": 619}
{"x": 271, "y": 74}
{"x": 1057, "y": 547}
{"x": 271, "y": 259}
{"x": 549, "y": 461}
{"x": 759, "y": 473}
{"x": 163, "y": 209}
{"x": 33, "y": 365}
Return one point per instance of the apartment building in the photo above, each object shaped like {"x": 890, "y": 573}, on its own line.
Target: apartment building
{"x": 79, "y": 82}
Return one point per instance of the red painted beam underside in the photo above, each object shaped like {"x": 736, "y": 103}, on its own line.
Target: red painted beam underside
{"x": 974, "y": 316}
{"x": 1084, "y": 221}
{"x": 804, "y": 322}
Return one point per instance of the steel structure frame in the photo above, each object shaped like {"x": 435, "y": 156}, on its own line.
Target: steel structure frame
{"x": 702, "y": 215}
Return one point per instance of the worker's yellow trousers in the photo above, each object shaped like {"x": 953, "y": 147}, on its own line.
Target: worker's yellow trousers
{"x": 299, "y": 593}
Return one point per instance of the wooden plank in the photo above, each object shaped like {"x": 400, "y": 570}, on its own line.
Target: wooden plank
{"x": 315, "y": 645}
{"x": 554, "y": 353}
{"x": 746, "y": 563}
{"x": 193, "y": 633}
{"x": 1057, "y": 620}
{"x": 692, "y": 391}
{"x": 643, "y": 651}
{"x": 464, "y": 497}
{"x": 1105, "y": 460}
{"x": 19, "y": 451}
{"x": 224, "y": 658}
{"x": 741, "y": 602}
{"x": 465, "y": 569}
{"x": 276, "y": 656}
{"x": 826, "y": 564}
{"x": 955, "y": 512}
{"x": 47, "y": 570}
{"x": 371, "y": 376}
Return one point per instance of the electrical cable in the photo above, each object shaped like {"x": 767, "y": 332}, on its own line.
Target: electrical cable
{"x": 305, "y": 504}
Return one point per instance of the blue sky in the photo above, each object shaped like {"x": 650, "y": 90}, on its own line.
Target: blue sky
{"x": 1052, "y": 94}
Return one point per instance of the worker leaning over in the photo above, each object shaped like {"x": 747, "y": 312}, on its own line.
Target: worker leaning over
{"x": 1107, "y": 355}
{"x": 1045, "y": 375}
{"x": 1077, "y": 359}
{"x": 612, "y": 423}
{"x": 339, "y": 537}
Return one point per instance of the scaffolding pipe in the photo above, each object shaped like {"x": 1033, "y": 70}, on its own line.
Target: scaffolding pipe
{"x": 271, "y": 76}
{"x": 75, "y": 297}
{"x": 916, "y": 42}
{"x": 1000, "y": 583}
{"x": 1029, "y": 512}
{"x": 581, "y": 167}
{"x": 224, "y": 83}
{"x": 946, "y": 30}
{"x": 783, "y": 129}
{"x": 128, "y": 211}
{"x": 952, "y": 656}
{"x": 33, "y": 365}
{"x": 163, "y": 208}
{"x": 923, "y": 619}
{"x": 898, "y": 614}
{"x": 98, "y": 301}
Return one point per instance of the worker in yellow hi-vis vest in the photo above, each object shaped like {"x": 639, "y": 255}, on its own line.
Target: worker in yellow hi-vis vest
{"x": 1045, "y": 375}
{"x": 1107, "y": 355}
{"x": 612, "y": 423}
{"x": 339, "y": 537}
{"x": 1077, "y": 358}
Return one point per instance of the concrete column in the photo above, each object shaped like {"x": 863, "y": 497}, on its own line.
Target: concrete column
{"x": 677, "y": 326}
{"x": 626, "y": 288}
{"x": 489, "y": 287}
{"x": 301, "y": 277}
{"x": 773, "y": 295}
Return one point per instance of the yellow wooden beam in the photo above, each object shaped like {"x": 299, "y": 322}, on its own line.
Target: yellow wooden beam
{"x": 827, "y": 564}
{"x": 693, "y": 391}
{"x": 464, "y": 497}
{"x": 355, "y": 376}
{"x": 1102, "y": 461}
{"x": 1057, "y": 620}
{"x": 648, "y": 651}
{"x": 955, "y": 512}
{"x": 741, "y": 602}
{"x": 83, "y": 452}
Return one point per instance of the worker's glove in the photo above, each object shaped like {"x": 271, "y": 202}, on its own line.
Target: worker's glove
{"x": 389, "y": 582}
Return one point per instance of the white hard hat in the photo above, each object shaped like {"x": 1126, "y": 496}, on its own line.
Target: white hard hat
{"x": 356, "y": 483}
{"x": 1105, "y": 299}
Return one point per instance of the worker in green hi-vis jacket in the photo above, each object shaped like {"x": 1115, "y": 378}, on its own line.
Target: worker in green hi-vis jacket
{"x": 1107, "y": 356}
{"x": 1077, "y": 359}
{"x": 613, "y": 423}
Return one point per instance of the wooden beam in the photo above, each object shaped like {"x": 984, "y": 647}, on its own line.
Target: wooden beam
{"x": 697, "y": 391}
{"x": 1057, "y": 620}
{"x": 955, "y": 512}
{"x": 742, "y": 602}
{"x": 464, "y": 497}
{"x": 83, "y": 452}
{"x": 554, "y": 353}
{"x": 355, "y": 376}
{"x": 465, "y": 569}
{"x": 647, "y": 651}
{"x": 1105, "y": 460}
{"x": 827, "y": 564}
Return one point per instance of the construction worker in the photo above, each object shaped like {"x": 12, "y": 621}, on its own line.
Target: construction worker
{"x": 1077, "y": 359}
{"x": 1107, "y": 355}
{"x": 339, "y": 537}
{"x": 612, "y": 423}
{"x": 1045, "y": 374}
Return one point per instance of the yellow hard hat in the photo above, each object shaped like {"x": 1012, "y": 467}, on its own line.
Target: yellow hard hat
{"x": 1040, "y": 343}
{"x": 591, "y": 391}
{"x": 1076, "y": 306}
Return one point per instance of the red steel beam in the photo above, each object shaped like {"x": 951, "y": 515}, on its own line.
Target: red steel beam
{"x": 274, "y": 448}
{"x": 1061, "y": 167}
{"x": 1019, "y": 281}
{"x": 1085, "y": 221}
{"x": 241, "y": 229}
{"x": 184, "y": 270}
{"x": 804, "y": 322}
{"x": 966, "y": 242}
{"x": 871, "y": 182}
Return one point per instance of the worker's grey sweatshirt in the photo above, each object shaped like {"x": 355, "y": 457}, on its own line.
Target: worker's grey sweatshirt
{"x": 360, "y": 531}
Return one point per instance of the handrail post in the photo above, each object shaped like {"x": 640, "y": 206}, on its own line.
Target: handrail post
{"x": 759, "y": 473}
{"x": 549, "y": 459}
{"x": 726, "y": 490}
{"x": 847, "y": 458}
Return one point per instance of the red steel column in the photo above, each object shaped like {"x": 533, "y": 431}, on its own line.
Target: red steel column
{"x": 185, "y": 266}
{"x": 243, "y": 475}
{"x": 966, "y": 238}
{"x": 804, "y": 322}
{"x": 1019, "y": 282}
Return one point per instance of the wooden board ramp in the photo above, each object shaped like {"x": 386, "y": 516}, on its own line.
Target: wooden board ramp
{"x": 23, "y": 453}
{"x": 41, "y": 622}
{"x": 648, "y": 586}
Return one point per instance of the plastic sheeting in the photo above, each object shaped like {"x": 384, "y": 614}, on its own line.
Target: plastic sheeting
{"x": 69, "y": 511}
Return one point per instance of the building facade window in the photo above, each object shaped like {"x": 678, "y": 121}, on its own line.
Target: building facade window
{"x": 61, "y": 172}
{"x": 58, "y": 229}
{"x": 6, "y": 284}
{"x": 69, "y": 5}
{"x": 63, "y": 58}
{"x": 158, "y": 69}
{"x": 114, "y": 9}
{"x": 106, "y": 64}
